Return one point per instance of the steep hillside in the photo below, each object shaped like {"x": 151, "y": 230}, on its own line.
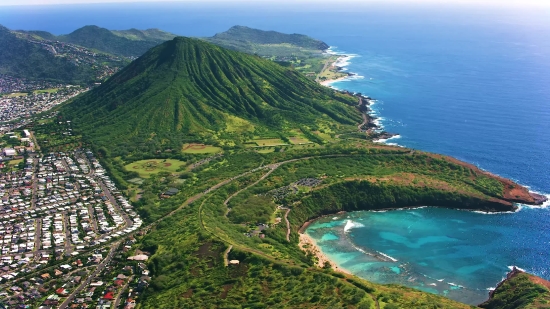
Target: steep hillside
{"x": 26, "y": 59}
{"x": 242, "y": 33}
{"x": 187, "y": 89}
{"x": 268, "y": 43}
{"x": 129, "y": 43}
{"x": 520, "y": 290}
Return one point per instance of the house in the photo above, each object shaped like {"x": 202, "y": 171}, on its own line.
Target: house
{"x": 121, "y": 277}
{"x": 140, "y": 257}
{"x": 170, "y": 192}
{"x": 130, "y": 304}
{"x": 62, "y": 292}
{"x": 109, "y": 296}
{"x": 9, "y": 152}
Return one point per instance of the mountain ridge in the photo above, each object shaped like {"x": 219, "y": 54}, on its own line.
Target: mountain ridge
{"x": 190, "y": 87}
{"x": 25, "y": 59}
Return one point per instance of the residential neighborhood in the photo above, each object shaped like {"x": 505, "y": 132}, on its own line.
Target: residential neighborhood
{"x": 61, "y": 219}
{"x": 10, "y": 84}
{"x": 21, "y": 106}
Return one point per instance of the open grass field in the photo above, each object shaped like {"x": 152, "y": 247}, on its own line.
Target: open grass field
{"x": 50, "y": 90}
{"x": 45, "y": 121}
{"x": 269, "y": 142}
{"x": 146, "y": 168}
{"x": 266, "y": 150}
{"x": 15, "y": 94}
{"x": 200, "y": 149}
{"x": 324, "y": 136}
{"x": 298, "y": 140}
{"x": 14, "y": 162}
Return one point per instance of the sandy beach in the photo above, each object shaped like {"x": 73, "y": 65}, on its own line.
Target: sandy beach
{"x": 307, "y": 244}
{"x": 330, "y": 81}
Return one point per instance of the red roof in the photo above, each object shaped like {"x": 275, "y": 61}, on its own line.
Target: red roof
{"x": 109, "y": 296}
{"x": 61, "y": 291}
{"x": 119, "y": 282}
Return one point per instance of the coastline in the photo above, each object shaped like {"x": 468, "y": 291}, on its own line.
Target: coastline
{"x": 308, "y": 244}
{"x": 374, "y": 128}
{"x": 371, "y": 124}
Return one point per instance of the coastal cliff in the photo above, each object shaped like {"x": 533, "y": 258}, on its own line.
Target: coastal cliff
{"x": 519, "y": 290}
{"x": 474, "y": 190}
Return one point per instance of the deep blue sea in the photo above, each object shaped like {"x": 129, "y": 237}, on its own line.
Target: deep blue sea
{"x": 471, "y": 82}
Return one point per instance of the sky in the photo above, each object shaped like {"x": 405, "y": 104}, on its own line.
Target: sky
{"x": 500, "y": 3}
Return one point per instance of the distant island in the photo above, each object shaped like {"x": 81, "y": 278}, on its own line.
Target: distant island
{"x": 224, "y": 156}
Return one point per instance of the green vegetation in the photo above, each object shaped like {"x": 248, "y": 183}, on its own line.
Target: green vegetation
{"x": 187, "y": 92}
{"x": 184, "y": 90}
{"x": 255, "y": 209}
{"x": 268, "y": 142}
{"x": 268, "y": 43}
{"x": 21, "y": 58}
{"x": 127, "y": 43}
{"x": 188, "y": 258}
{"x": 520, "y": 291}
{"x": 200, "y": 149}
{"x": 154, "y": 166}
{"x": 303, "y": 53}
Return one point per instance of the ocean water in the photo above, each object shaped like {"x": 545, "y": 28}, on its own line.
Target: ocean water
{"x": 455, "y": 253}
{"x": 466, "y": 81}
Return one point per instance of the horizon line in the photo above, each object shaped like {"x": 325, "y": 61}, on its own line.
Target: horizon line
{"x": 476, "y": 3}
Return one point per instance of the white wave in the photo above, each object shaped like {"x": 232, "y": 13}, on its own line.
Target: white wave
{"x": 432, "y": 284}
{"x": 331, "y": 51}
{"x": 454, "y": 284}
{"x": 387, "y": 256}
{"x": 494, "y": 213}
{"x": 350, "y": 225}
{"x": 419, "y": 207}
{"x": 440, "y": 280}
{"x": 344, "y": 61}
{"x": 396, "y": 144}
{"x": 335, "y": 218}
{"x": 359, "y": 249}
{"x": 384, "y": 140}
{"x": 512, "y": 268}
{"x": 544, "y": 205}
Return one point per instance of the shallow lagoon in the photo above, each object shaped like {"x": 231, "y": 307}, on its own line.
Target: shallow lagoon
{"x": 455, "y": 253}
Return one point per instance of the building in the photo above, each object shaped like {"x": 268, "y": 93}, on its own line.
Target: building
{"x": 10, "y": 152}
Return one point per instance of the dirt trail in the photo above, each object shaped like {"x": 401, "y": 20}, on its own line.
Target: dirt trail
{"x": 287, "y": 225}
{"x": 226, "y": 254}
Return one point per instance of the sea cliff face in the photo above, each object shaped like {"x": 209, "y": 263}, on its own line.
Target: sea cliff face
{"x": 519, "y": 290}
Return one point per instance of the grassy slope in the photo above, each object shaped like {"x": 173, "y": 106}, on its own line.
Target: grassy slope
{"x": 186, "y": 89}
{"x": 520, "y": 291}
{"x": 188, "y": 248}
{"x": 23, "y": 59}
{"x": 131, "y": 42}
{"x": 268, "y": 43}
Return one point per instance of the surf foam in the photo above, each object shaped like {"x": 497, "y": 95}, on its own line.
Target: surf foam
{"x": 351, "y": 225}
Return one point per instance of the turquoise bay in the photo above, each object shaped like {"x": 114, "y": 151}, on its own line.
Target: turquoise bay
{"x": 470, "y": 82}
{"x": 455, "y": 253}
